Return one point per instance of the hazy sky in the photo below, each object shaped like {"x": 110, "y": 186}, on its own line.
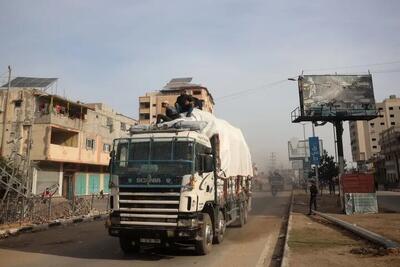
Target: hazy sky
{"x": 115, "y": 51}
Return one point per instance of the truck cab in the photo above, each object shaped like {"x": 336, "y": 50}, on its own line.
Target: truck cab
{"x": 162, "y": 184}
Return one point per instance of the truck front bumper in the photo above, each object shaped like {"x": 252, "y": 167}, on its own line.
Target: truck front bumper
{"x": 164, "y": 233}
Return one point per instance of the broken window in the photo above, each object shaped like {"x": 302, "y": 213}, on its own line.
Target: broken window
{"x": 64, "y": 137}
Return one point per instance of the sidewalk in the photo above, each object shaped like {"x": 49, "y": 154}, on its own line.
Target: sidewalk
{"x": 313, "y": 241}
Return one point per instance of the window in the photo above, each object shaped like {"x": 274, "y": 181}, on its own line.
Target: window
{"x": 154, "y": 105}
{"x": 64, "y": 137}
{"x": 123, "y": 126}
{"x": 382, "y": 123}
{"x": 380, "y": 109}
{"x": 106, "y": 148}
{"x": 154, "y": 116}
{"x": 144, "y": 104}
{"x": 373, "y": 139}
{"x": 390, "y": 108}
{"x": 391, "y": 115}
{"x": 109, "y": 121}
{"x": 90, "y": 144}
{"x": 197, "y": 92}
{"x": 18, "y": 103}
{"x": 372, "y": 124}
{"x": 374, "y": 147}
{"x": 392, "y": 123}
{"x": 144, "y": 116}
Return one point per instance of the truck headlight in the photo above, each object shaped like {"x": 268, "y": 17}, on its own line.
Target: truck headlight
{"x": 187, "y": 222}
{"x": 190, "y": 185}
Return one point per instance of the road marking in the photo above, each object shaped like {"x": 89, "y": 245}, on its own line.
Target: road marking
{"x": 265, "y": 252}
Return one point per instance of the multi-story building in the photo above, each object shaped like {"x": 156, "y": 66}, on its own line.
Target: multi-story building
{"x": 364, "y": 135}
{"x": 67, "y": 143}
{"x": 389, "y": 160}
{"x": 150, "y": 104}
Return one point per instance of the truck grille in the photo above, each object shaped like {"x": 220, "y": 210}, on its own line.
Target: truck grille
{"x": 150, "y": 207}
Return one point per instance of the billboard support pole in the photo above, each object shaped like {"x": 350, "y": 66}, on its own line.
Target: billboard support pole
{"x": 339, "y": 142}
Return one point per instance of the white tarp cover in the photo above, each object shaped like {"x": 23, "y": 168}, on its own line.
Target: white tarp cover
{"x": 234, "y": 153}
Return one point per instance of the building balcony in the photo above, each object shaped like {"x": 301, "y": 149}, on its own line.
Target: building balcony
{"x": 59, "y": 119}
{"x": 63, "y": 153}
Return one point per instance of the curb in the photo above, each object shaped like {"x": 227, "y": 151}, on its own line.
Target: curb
{"x": 286, "y": 252}
{"x": 362, "y": 232}
{"x": 53, "y": 224}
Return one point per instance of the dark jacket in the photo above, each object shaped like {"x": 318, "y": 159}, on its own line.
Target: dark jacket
{"x": 313, "y": 190}
{"x": 185, "y": 102}
{"x": 172, "y": 113}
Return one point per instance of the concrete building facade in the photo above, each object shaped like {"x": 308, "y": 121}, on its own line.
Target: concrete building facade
{"x": 364, "y": 135}
{"x": 150, "y": 104}
{"x": 67, "y": 143}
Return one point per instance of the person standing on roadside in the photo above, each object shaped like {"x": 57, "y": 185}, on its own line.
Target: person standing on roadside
{"x": 313, "y": 196}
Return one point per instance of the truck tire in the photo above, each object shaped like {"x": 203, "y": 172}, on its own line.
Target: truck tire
{"x": 220, "y": 228}
{"x": 204, "y": 245}
{"x": 245, "y": 212}
{"x": 241, "y": 219}
{"x": 128, "y": 245}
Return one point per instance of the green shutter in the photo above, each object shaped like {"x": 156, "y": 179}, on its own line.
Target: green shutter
{"x": 80, "y": 184}
{"x": 106, "y": 183}
{"x": 94, "y": 184}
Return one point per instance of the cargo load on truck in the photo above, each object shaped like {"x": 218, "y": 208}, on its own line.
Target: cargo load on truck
{"x": 234, "y": 154}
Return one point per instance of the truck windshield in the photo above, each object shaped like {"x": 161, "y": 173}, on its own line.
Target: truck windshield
{"x": 161, "y": 158}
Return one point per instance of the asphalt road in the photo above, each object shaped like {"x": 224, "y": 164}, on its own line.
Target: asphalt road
{"x": 87, "y": 244}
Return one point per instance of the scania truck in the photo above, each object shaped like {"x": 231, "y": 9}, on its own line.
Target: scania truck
{"x": 182, "y": 182}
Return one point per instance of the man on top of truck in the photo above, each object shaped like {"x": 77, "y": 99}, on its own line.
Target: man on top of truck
{"x": 170, "y": 113}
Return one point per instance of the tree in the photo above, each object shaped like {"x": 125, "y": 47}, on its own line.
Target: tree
{"x": 327, "y": 170}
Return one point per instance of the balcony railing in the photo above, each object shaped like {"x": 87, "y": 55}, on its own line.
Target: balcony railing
{"x": 59, "y": 119}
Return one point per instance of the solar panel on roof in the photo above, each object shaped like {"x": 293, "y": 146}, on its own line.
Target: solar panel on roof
{"x": 31, "y": 82}
{"x": 181, "y": 80}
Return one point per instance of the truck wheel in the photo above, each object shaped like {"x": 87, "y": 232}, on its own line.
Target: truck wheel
{"x": 220, "y": 227}
{"x": 204, "y": 245}
{"x": 128, "y": 245}
{"x": 245, "y": 213}
{"x": 241, "y": 220}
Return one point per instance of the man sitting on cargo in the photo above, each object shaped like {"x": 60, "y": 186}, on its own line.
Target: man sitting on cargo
{"x": 170, "y": 113}
{"x": 185, "y": 103}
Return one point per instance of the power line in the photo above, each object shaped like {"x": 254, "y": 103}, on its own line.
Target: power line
{"x": 356, "y": 66}
{"x": 252, "y": 89}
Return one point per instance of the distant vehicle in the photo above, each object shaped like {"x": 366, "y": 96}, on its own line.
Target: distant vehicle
{"x": 277, "y": 182}
{"x": 182, "y": 182}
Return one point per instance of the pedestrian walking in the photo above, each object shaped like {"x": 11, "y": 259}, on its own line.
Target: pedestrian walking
{"x": 313, "y": 196}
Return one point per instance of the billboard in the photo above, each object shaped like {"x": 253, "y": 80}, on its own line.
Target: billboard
{"x": 315, "y": 154}
{"x": 300, "y": 149}
{"x": 330, "y": 97}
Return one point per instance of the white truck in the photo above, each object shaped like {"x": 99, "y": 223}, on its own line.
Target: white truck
{"x": 181, "y": 182}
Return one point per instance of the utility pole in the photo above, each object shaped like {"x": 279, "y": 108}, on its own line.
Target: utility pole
{"x": 3, "y": 137}
{"x": 339, "y": 135}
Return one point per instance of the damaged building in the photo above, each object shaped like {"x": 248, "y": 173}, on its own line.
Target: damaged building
{"x": 63, "y": 144}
